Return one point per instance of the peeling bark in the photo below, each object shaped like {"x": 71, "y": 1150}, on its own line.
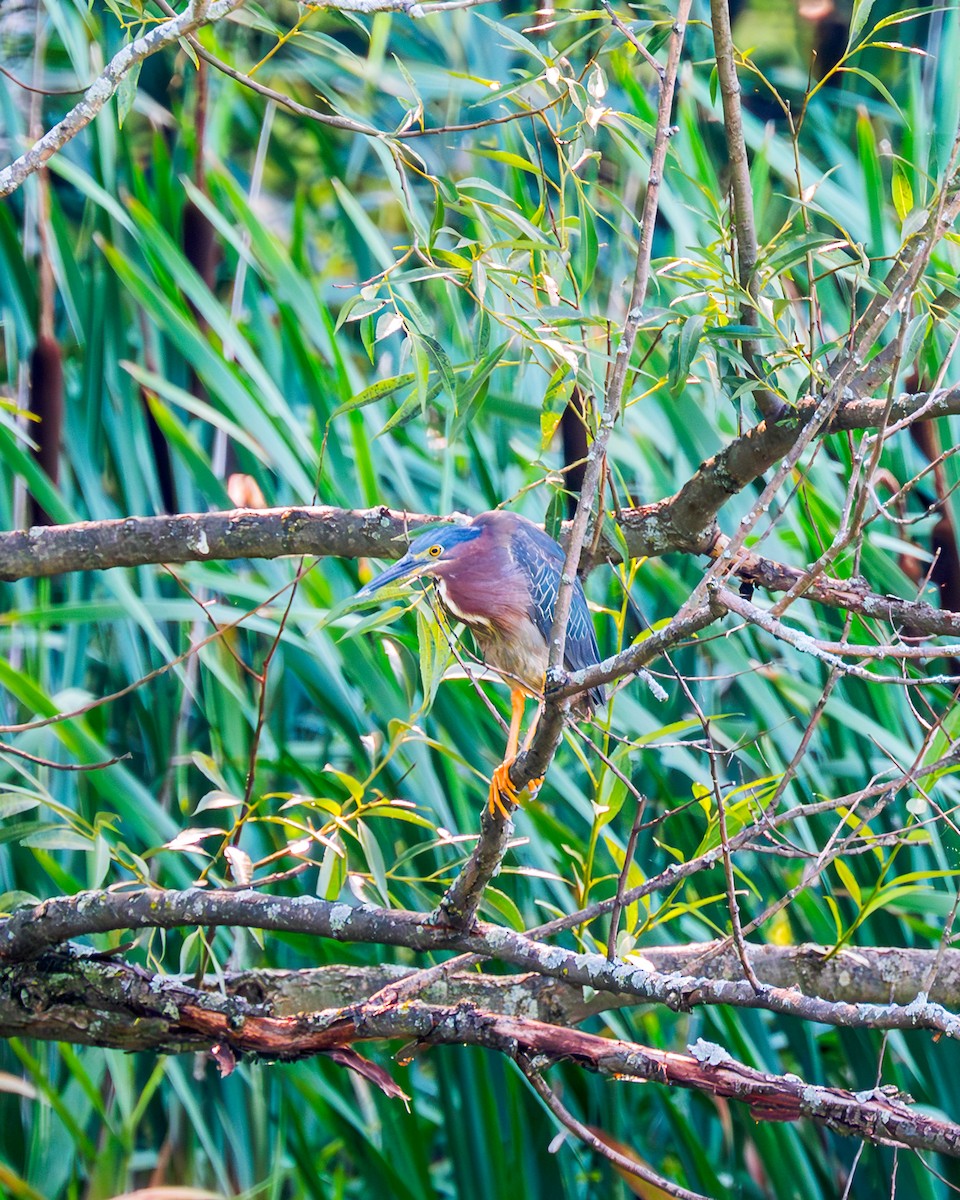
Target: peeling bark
{"x": 65, "y": 997}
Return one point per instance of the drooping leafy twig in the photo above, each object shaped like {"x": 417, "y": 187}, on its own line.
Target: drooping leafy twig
{"x": 197, "y": 14}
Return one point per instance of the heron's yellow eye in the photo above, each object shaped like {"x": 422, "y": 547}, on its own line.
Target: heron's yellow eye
{"x": 435, "y": 551}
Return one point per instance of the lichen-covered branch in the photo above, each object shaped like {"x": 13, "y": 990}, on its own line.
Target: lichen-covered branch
{"x": 683, "y": 522}
{"x": 876, "y": 975}
{"x": 28, "y": 933}
{"x": 204, "y": 537}
{"x": 62, "y": 997}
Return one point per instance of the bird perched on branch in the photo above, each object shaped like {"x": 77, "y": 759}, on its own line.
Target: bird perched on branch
{"x": 500, "y": 576}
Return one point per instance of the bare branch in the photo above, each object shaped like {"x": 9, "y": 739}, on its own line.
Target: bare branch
{"x": 832, "y": 656}
{"x": 147, "y": 1010}
{"x": 333, "y": 120}
{"x": 460, "y": 904}
{"x": 27, "y": 933}
{"x": 462, "y": 899}
{"x": 614, "y": 397}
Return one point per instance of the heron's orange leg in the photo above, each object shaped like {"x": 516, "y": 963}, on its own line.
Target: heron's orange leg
{"x": 500, "y": 779}
{"x": 500, "y": 785}
{"x": 533, "y": 729}
{"x": 535, "y": 784}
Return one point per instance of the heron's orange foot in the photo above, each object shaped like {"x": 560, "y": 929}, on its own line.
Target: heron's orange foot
{"x": 502, "y": 789}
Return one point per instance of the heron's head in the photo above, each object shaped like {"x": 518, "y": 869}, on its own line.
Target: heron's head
{"x": 430, "y": 554}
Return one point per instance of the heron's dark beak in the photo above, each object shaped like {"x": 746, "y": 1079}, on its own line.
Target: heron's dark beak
{"x": 406, "y": 568}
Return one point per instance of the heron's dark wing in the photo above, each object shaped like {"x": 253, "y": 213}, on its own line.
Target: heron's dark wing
{"x": 541, "y": 559}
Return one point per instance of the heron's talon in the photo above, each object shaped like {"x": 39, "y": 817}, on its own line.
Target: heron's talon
{"x": 501, "y": 788}
{"x": 496, "y": 805}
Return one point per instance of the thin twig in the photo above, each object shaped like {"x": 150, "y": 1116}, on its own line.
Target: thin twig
{"x": 6, "y": 748}
{"x": 769, "y": 403}
{"x": 622, "y": 879}
{"x": 632, "y": 38}
{"x": 809, "y": 645}
{"x": 566, "y": 1118}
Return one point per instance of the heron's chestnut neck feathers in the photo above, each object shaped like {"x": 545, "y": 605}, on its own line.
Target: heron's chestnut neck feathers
{"x": 486, "y": 589}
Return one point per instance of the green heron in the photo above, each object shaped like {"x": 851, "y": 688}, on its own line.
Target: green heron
{"x": 500, "y": 576}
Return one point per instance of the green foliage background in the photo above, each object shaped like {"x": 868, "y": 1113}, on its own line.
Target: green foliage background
{"x": 397, "y": 321}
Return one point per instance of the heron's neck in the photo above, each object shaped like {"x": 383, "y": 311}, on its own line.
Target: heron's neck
{"x": 449, "y": 603}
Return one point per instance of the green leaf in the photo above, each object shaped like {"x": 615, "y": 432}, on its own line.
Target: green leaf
{"x": 12, "y": 803}
{"x": 473, "y": 391}
{"x": 835, "y": 913}
{"x": 374, "y": 857}
{"x": 849, "y": 881}
{"x": 501, "y": 904}
{"x": 405, "y": 413}
{"x": 612, "y": 793}
{"x": 686, "y": 345}
{"x": 880, "y": 86}
{"x": 11, "y": 901}
{"x": 333, "y": 870}
{"x": 902, "y": 195}
{"x": 859, "y": 18}
{"x": 435, "y": 654}
{"x": 60, "y": 838}
{"x": 556, "y": 509}
{"x": 376, "y": 391}
{"x": 127, "y": 92}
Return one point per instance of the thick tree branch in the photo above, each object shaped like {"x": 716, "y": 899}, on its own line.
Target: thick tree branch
{"x": 686, "y": 520}
{"x": 45, "y": 551}
{"x": 682, "y": 522}
{"x": 875, "y": 975}
{"x": 914, "y": 617}
{"x": 203, "y": 537}
{"x": 865, "y": 975}
{"x": 166, "y": 1014}
{"x": 28, "y": 933}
